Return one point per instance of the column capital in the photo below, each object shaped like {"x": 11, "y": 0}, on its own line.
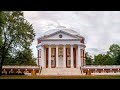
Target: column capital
{"x": 49, "y": 44}
{"x": 82, "y": 48}
{"x": 64, "y": 45}
{"x": 71, "y": 44}
{"x": 57, "y": 44}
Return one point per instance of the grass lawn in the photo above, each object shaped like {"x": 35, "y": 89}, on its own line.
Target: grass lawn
{"x": 59, "y": 77}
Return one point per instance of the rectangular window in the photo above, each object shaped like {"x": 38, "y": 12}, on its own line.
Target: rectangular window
{"x": 68, "y": 52}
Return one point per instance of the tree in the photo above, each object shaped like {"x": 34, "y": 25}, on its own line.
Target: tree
{"x": 98, "y": 59}
{"x": 88, "y": 59}
{"x": 115, "y": 53}
{"x": 25, "y": 57}
{"x": 107, "y": 60}
{"x": 118, "y": 59}
{"x": 114, "y": 50}
{"x": 16, "y": 34}
{"x": 2, "y": 19}
{"x": 103, "y": 59}
{"x": 9, "y": 61}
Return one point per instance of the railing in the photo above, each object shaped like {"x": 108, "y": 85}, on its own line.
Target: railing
{"x": 15, "y": 66}
{"x": 101, "y": 66}
{"x": 27, "y": 70}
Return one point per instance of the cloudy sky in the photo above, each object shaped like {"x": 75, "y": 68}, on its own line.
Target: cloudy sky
{"x": 100, "y": 28}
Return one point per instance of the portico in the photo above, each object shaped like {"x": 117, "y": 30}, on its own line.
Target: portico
{"x": 61, "y": 49}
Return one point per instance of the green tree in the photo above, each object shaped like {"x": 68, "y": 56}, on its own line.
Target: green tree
{"x": 25, "y": 57}
{"x": 107, "y": 60}
{"x": 115, "y": 53}
{"x": 118, "y": 59}
{"x": 2, "y": 20}
{"x": 9, "y": 60}
{"x": 16, "y": 34}
{"x": 2, "y": 23}
{"x": 103, "y": 59}
{"x": 98, "y": 59}
{"x": 88, "y": 59}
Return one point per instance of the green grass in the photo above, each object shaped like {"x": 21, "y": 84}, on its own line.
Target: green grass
{"x": 58, "y": 77}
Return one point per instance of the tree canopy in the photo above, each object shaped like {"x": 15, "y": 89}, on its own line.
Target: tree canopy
{"x": 114, "y": 51}
{"x": 16, "y": 35}
{"x": 88, "y": 58}
{"x": 112, "y": 57}
{"x": 24, "y": 57}
{"x": 103, "y": 59}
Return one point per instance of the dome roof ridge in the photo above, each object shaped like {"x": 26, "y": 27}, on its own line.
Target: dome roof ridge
{"x": 60, "y": 26}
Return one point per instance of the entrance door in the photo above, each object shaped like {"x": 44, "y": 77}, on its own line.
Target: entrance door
{"x": 60, "y": 61}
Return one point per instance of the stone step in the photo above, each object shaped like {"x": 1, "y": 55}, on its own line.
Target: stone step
{"x": 60, "y": 71}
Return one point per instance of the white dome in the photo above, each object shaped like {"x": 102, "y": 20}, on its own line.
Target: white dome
{"x": 63, "y": 29}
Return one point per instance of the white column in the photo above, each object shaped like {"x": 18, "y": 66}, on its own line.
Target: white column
{"x": 42, "y": 55}
{"x": 56, "y": 55}
{"x": 79, "y": 57}
{"x": 84, "y": 58}
{"x": 49, "y": 60}
{"x": 39, "y": 57}
{"x": 64, "y": 55}
{"x": 71, "y": 56}
{"x": 81, "y": 50}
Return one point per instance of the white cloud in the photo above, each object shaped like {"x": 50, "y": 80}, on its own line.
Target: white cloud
{"x": 100, "y": 28}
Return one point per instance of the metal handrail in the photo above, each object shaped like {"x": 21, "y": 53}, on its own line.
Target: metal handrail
{"x": 81, "y": 69}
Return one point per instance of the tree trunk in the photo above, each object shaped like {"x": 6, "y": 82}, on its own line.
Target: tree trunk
{"x": 1, "y": 64}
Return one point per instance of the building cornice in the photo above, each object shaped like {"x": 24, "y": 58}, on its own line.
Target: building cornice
{"x": 60, "y": 40}
{"x": 39, "y": 45}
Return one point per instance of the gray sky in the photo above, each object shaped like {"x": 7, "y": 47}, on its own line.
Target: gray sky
{"x": 100, "y": 28}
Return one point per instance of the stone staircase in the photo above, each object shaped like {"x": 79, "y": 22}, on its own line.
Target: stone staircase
{"x": 60, "y": 71}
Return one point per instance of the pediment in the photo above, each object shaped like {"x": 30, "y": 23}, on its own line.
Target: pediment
{"x": 60, "y": 35}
